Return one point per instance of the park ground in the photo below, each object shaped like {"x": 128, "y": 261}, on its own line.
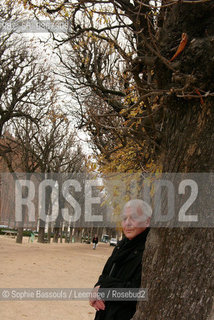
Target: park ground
{"x": 62, "y": 265}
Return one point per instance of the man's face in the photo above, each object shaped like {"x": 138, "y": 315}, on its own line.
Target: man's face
{"x": 133, "y": 222}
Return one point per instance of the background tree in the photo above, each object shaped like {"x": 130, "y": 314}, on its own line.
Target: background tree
{"x": 49, "y": 150}
{"x": 28, "y": 96}
{"x": 25, "y": 75}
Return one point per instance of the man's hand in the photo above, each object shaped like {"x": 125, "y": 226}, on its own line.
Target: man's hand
{"x": 95, "y": 301}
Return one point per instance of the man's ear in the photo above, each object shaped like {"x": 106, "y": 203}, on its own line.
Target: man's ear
{"x": 147, "y": 222}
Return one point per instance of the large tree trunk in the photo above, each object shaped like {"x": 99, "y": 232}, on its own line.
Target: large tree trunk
{"x": 178, "y": 272}
{"x": 178, "y": 263}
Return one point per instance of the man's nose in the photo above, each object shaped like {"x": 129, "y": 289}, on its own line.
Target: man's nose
{"x": 128, "y": 221}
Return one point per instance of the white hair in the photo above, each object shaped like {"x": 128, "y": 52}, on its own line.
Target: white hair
{"x": 138, "y": 203}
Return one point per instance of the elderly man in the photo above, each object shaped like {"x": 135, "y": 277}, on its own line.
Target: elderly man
{"x": 123, "y": 268}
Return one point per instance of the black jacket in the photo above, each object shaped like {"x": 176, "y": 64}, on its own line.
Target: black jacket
{"x": 122, "y": 270}
{"x": 95, "y": 240}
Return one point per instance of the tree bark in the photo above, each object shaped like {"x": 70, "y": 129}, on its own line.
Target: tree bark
{"x": 41, "y": 234}
{"x": 178, "y": 263}
{"x": 56, "y": 234}
{"x": 49, "y": 233}
{"x": 19, "y": 235}
{"x": 66, "y": 234}
{"x": 178, "y": 272}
